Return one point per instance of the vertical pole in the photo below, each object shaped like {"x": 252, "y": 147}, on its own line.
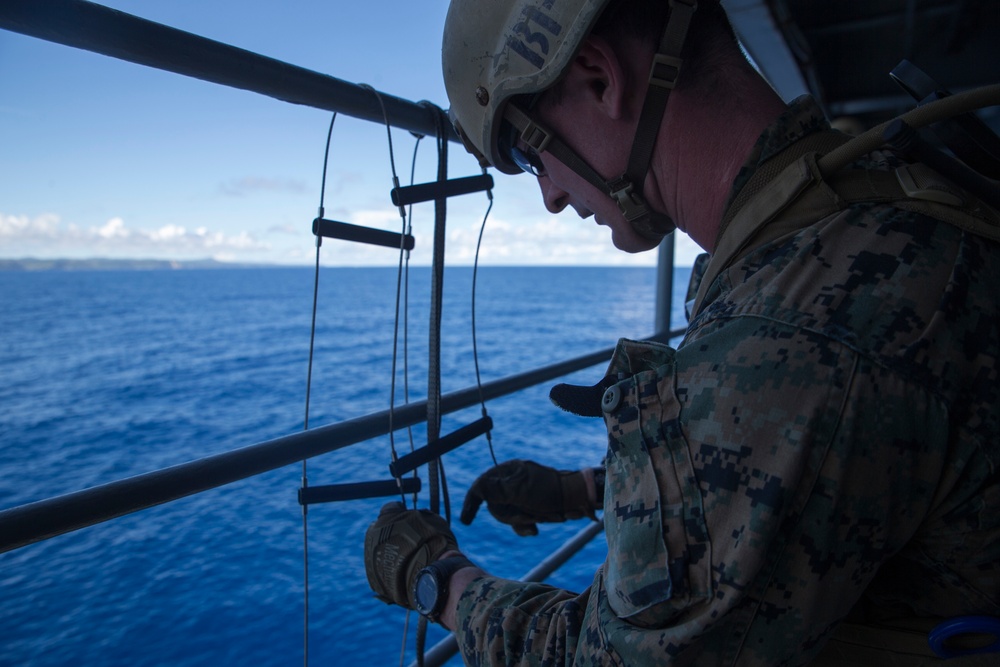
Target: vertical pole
{"x": 664, "y": 284}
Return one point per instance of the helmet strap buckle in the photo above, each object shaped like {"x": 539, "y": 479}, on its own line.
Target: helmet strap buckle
{"x": 532, "y": 133}
{"x": 629, "y": 201}
{"x": 536, "y": 137}
{"x": 665, "y": 71}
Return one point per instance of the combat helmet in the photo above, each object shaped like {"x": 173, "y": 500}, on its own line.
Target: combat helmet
{"x": 498, "y": 53}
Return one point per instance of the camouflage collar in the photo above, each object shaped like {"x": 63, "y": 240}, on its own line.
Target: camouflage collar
{"x": 803, "y": 116}
{"x": 779, "y": 169}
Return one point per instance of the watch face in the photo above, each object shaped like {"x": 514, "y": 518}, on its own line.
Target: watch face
{"x": 426, "y": 592}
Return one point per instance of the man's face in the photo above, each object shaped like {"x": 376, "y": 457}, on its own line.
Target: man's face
{"x": 562, "y": 187}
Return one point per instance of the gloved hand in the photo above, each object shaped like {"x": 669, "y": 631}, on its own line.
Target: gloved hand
{"x": 400, "y": 543}
{"x": 523, "y": 493}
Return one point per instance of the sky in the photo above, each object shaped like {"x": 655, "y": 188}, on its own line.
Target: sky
{"x": 104, "y": 158}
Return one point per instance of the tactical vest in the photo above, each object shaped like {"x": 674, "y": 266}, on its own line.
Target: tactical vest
{"x": 787, "y": 193}
{"x": 806, "y": 182}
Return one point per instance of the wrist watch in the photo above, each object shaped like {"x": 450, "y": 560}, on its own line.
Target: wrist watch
{"x": 430, "y": 591}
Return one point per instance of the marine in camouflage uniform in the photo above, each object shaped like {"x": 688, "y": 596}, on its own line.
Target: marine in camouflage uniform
{"x": 825, "y": 439}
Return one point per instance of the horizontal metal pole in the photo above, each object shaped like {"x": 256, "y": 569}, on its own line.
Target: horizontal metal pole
{"x": 447, "y": 647}
{"x": 110, "y": 32}
{"x": 34, "y": 522}
{"x": 558, "y": 558}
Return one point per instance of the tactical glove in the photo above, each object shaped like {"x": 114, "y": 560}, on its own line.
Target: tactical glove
{"x": 400, "y": 543}
{"x": 524, "y": 493}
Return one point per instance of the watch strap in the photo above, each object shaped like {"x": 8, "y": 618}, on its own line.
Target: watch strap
{"x": 443, "y": 570}
{"x": 600, "y": 477}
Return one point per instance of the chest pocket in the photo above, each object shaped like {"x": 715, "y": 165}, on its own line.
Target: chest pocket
{"x": 659, "y": 555}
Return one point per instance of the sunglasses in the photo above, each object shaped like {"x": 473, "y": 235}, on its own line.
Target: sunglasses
{"x": 528, "y": 160}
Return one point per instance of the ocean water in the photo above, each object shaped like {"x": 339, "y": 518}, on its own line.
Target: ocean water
{"x": 112, "y": 374}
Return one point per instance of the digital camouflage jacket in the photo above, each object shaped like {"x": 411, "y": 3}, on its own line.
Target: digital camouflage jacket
{"x": 826, "y": 438}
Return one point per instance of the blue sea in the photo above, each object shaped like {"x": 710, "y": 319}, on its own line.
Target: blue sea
{"x": 109, "y": 374}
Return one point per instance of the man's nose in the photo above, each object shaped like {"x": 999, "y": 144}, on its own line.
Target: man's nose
{"x": 555, "y": 199}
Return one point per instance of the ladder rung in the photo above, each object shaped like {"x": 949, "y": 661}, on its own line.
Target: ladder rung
{"x": 436, "y": 449}
{"x": 357, "y": 490}
{"x": 414, "y": 194}
{"x": 344, "y": 231}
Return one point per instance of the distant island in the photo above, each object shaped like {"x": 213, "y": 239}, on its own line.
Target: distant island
{"x": 97, "y": 264}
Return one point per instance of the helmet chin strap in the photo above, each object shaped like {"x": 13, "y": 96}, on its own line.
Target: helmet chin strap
{"x": 626, "y": 190}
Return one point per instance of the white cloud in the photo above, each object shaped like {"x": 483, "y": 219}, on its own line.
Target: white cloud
{"x": 383, "y": 218}
{"x": 114, "y": 228}
{"x": 44, "y": 235}
{"x": 546, "y": 240}
{"x": 15, "y": 227}
{"x": 288, "y": 229}
{"x": 344, "y": 181}
{"x": 564, "y": 240}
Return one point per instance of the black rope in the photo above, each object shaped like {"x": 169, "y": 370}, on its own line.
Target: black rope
{"x": 422, "y": 622}
{"x": 475, "y": 349}
{"x": 437, "y": 291}
{"x": 437, "y": 479}
{"x": 434, "y": 343}
{"x": 406, "y": 307}
{"x": 305, "y": 421}
{"x": 395, "y": 332}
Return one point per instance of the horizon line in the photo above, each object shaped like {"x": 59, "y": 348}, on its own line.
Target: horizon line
{"x": 40, "y": 263}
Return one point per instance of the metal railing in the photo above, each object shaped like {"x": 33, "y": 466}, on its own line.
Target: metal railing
{"x": 96, "y": 28}
{"x": 34, "y": 522}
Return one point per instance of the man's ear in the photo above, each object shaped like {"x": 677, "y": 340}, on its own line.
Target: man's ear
{"x": 598, "y": 73}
